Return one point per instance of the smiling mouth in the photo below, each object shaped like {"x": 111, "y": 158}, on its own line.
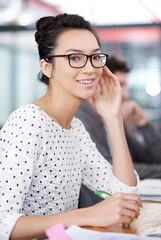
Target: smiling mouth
{"x": 85, "y": 81}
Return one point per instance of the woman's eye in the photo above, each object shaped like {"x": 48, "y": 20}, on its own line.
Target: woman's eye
{"x": 96, "y": 57}
{"x": 74, "y": 58}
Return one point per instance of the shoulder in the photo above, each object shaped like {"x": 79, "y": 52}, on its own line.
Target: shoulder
{"x": 28, "y": 110}
{"x": 25, "y": 126}
{"x": 77, "y": 124}
{"x": 24, "y": 117}
{"x": 80, "y": 129}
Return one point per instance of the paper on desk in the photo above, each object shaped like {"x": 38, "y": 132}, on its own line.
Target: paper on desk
{"x": 150, "y": 189}
{"x": 150, "y": 198}
{"x": 155, "y": 233}
{"x": 77, "y": 233}
{"x": 149, "y": 219}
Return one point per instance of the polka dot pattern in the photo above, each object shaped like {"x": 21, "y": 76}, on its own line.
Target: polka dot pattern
{"x": 43, "y": 165}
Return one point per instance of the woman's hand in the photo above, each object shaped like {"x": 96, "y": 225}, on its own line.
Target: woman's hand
{"x": 107, "y": 98}
{"x": 120, "y": 208}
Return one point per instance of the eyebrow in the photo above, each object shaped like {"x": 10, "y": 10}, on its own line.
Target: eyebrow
{"x": 77, "y": 50}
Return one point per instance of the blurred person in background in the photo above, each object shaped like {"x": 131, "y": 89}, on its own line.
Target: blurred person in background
{"x": 143, "y": 139}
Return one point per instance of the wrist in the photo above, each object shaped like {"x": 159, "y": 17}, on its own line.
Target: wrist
{"x": 81, "y": 217}
{"x": 110, "y": 120}
{"x": 90, "y": 217}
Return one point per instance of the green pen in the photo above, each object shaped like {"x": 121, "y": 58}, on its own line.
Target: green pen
{"x": 103, "y": 194}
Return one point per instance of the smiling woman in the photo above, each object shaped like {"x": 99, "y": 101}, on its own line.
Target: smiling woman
{"x": 71, "y": 78}
{"x": 46, "y": 153}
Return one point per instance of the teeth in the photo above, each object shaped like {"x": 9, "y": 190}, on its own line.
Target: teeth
{"x": 85, "y": 81}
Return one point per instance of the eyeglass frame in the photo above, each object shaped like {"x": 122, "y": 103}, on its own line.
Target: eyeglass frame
{"x": 87, "y": 56}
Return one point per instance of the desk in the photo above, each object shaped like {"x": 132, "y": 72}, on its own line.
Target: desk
{"x": 149, "y": 220}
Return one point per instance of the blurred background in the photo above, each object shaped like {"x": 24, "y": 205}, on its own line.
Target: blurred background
{"x": 129, "y": 29}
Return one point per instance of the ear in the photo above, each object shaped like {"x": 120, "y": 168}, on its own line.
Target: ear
{"x": 46, "y": 68}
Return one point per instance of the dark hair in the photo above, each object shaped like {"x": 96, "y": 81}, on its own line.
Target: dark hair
{"x": 48, "y": 30}
{"x": 115, "y": 63}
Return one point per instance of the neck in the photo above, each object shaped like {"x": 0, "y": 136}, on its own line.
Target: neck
{"x": 58, "y": 108}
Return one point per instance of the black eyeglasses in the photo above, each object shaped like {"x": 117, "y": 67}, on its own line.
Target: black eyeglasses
{"x": 79, "y": 60}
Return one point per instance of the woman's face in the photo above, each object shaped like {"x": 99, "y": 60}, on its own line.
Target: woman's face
{"x": 76, "y": 82}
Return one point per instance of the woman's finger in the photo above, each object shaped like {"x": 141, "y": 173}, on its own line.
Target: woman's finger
{"x": 132, "y": 207}
{"x": 103, "y": 88}
{"x": 125, "y": 220}
{"x": 108, "y": 84}
{"x": 129, "y": 213}
{"x": 111, "y": 77}
{"x": 131, "y": 197}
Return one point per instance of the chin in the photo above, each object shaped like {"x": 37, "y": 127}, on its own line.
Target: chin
{"x": 87, "y": 96}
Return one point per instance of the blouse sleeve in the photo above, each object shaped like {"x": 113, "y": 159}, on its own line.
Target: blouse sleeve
{"x": 17, "y": 139}
{"x": 97, "y": 172}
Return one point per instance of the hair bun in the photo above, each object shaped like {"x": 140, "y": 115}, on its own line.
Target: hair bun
{"x": 41, "y": 25}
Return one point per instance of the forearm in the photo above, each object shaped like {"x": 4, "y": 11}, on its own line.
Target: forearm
{"x": 122, "y": 162}
{"x": 29, "y": 227}
{"x": 106, "y": 213}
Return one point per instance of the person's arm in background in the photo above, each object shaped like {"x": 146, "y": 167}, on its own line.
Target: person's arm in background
{"x": 132, "y": 113}
{"x": 151, "y": 151}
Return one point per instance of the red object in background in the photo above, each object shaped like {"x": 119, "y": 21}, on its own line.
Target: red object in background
{"x": 130, "y": 34}
{"x": 46, "y": 6}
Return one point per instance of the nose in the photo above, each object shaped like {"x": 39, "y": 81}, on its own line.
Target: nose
{"x": 125, "y": 94}
{"x": 88, "y": 67}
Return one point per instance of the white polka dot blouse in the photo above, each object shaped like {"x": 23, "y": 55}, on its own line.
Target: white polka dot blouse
{"x": 42, "y": 166}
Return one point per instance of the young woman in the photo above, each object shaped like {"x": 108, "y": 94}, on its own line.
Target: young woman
{"x": 46, "y": 152}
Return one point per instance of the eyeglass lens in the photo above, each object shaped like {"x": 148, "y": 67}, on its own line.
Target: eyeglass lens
{"x": 79, "y": 60}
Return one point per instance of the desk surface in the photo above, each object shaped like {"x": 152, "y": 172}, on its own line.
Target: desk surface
{"x": 149, "y": 220}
